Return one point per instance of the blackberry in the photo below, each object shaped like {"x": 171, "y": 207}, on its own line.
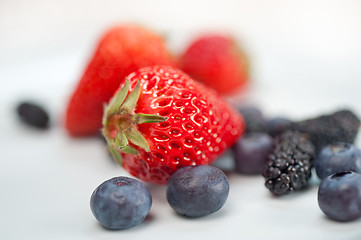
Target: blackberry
{"x": 340, "y": 126}
{"x": 288, "y": 167}
{"x": 33, "y": 115}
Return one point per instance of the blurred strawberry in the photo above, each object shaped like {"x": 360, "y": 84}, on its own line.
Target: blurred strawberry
{"x": 121, "y": 50}
{"x": 218, "y": 61}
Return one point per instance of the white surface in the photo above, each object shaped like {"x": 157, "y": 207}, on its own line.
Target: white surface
{"x": 306, "y": 59}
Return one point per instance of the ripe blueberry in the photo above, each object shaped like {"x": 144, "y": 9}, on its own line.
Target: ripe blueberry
{"x": 254, "y": 119}
{"x": 251, "y": 152}
{"x": 339, "y": 196}
{"x": 196, "y": 191}
{"x": 278, "y": 125}
{"x": 338, "y": 157}
{"x": 120, "y": 203}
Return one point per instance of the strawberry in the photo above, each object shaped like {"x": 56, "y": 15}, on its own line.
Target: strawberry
{"x": 167, "y": 121}
{"x": 218, "y": 61}
{"x": 122, "y": 50}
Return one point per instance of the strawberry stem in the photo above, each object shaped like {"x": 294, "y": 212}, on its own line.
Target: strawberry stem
{"x": 115, "y": 154}
{"x": 139, "y": 118}
{"x": 119, "y": 99}
{"x": 131, "y": 101}
{"x": 135, "y": 137}
{"x": 121, "y": 140}
{"x": 119, "y": 122}
{"x": 116, "y": 102}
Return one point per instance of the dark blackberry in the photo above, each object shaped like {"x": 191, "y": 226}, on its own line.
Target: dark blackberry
{"x": 33, "y": 115}
{"x": 289, "y": 164}
{"x": 341, "y": 126}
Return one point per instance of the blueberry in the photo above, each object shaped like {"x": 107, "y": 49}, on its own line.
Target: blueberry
{"x": 278, "y": 125}
{"x": 338, "y": 157}
{"x": 33, "y": 115}
{"x": 339, "y": 196}
{"x": 121, "y": 203}
{"x": 251, "y": 152}
{"x": 196, "y": 191}
{"x": 254, "y": 119}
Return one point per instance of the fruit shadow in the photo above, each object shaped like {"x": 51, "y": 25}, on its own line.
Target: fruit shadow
{"x": 236, "y": 178}
{"x": 159, "y": 199}
{"x": 103, "y": 142}
{"x": 332, "y": 221}
{"x": 158, "y": 193}
{"x": 221, "y": 213}
{"x": 143, "y": 225}
{"x": 312, "y": 186}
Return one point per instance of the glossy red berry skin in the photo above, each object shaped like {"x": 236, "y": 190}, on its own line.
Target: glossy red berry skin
{"x": 121, "y": 50}
{"x": 218, "y": 61}
{"x": 200, "y": 124}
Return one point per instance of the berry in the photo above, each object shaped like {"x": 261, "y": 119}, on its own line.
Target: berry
{"x": 196, "y": 191}
{"x": 167, "y": 121}
{"x": 251, "y": 152}
{"x": 338, "y": 157}
{"x": 254, "y": 119}
{"x": 339, "y": 196}
{"x": 33, "y": 115}
{"x": 121, "y": 203}
{"x": 289, "y": 164}
{"x": 217, "y": 61}
{"x": 278, "y": 125}
{"x": 341, "y": 126}
{"x": 121, "y": 50}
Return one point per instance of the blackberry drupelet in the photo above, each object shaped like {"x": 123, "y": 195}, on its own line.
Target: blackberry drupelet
{"x": 289, "y": 164}
{"x": 341, "y": 126}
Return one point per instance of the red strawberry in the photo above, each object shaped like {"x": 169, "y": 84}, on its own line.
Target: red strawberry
{"x": 218, "y": 61}
{"x": 167, "y": 121}
{"x": 122, "y": 50}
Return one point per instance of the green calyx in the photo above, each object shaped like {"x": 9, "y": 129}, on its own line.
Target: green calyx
{"x": 120, "y": 122}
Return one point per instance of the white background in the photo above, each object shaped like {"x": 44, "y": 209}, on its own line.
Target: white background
{"x": 306, "y": 60}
